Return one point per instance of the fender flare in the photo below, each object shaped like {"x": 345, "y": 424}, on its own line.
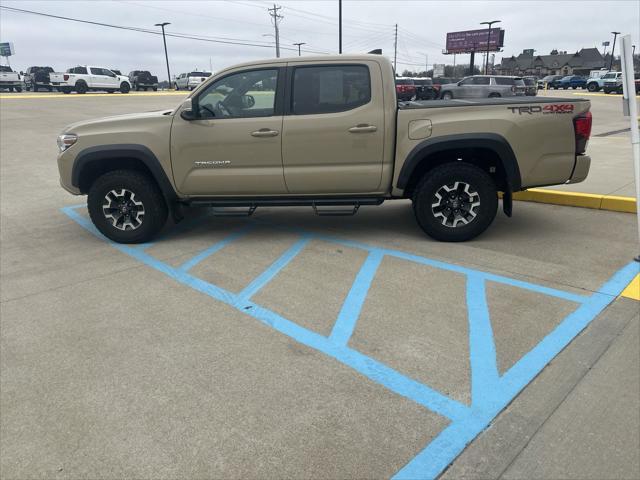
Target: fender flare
{"x": 98, "y": 154}
{"x": 490, "y": 141}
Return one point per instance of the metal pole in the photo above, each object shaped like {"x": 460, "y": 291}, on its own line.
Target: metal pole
{"x": 613, "y": 49}
{"x": 486, "y": 67}
{"x": 339, "y": 26}
{"x": 166, "y": 55}
{"x": 395, "y": 48}
{"x": 629, "y": 93}
{"x": 298, "y": 44}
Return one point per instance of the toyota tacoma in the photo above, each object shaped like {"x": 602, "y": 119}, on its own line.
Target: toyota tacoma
{"x": 327, "y": 132}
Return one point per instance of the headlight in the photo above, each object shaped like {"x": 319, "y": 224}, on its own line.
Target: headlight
{"x": 66, "y": 140}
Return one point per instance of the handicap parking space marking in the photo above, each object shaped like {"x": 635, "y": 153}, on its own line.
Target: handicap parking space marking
{"x": 490, "y": 392}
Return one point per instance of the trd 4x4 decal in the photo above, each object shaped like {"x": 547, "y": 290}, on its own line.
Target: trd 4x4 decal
{"x": 552, "y": 108}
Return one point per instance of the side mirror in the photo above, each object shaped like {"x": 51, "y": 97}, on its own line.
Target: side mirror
{"x": 21, "y": 72}
{"x": 248, "y": 101}
{"x": 187, "y": 113}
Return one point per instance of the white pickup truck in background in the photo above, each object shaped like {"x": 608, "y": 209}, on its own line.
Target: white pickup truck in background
{"x": 85, "y": 78}
{"x": 9, "y": 79}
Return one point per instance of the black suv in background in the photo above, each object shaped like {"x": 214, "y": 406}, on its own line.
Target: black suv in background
{"x": 424, "y": 89}
{"x": 143, "y": 80}
{"x": 38, "y": 77}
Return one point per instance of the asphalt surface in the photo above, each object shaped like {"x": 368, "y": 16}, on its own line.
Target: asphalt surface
{"x": 304, "y": 346}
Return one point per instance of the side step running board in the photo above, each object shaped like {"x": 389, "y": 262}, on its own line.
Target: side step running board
{"x": 336, "y": 212}
{"x": 233, "y": 211}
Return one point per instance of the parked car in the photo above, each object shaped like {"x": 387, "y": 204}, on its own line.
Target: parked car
{"x": 82, "y": 79}
{"x": 571, "y": 81}
{"x": 336, "y": 141}
{"x": 484, "y": 86}
{"x": 425, "y": 89}
{"x": 405, "y": 89}
{"x": 143, "y": 80}
{"x": 531, "y": 88}
{"x": 36, "y": 78}
{"x": 594, "y": 84}
{"x": 615, "y": 84}
{"x": 547, "y": 82}
{"x": 9, "y": 79}
{"x": 191, "y": 80}
{"x": 439, "y": 81}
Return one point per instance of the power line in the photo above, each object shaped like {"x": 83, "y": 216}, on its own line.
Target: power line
{"x": 201, "y": 38}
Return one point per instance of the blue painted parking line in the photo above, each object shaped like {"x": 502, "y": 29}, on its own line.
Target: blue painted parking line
{"x": 196, "y": 259}
{"x": 490, "y": 392}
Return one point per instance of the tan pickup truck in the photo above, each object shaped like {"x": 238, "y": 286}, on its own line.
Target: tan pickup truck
{"x": 326, "y": 132}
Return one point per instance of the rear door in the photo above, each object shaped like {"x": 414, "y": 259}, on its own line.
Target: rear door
{"x": 96, "y": 77}
{"x": 333, "y": 129}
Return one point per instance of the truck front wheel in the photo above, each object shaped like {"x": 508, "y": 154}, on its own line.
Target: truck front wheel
{"x": 124, "y": 87}
{"x": 455, "y": 202}
{"x": 127, "y": 206}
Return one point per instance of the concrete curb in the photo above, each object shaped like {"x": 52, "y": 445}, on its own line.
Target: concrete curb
{"x": 574, "y": 199}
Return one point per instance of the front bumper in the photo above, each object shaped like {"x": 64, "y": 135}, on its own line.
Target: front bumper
{"x": 581, "y": 169}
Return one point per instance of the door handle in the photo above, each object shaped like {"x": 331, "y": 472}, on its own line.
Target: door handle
{"x": 363, "y": 128}
{"x": 265, "y": 132}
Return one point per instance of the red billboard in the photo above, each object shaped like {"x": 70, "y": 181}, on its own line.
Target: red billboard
{"x": 475, "y": 40}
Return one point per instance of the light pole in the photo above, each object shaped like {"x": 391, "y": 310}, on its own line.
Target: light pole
{"x": 299, "y": 45}
{"x": 486, "y": 68}
{"x": 613, "y": 48}
{"x": 339, "y": 26}
{"x": 166, "y": 56}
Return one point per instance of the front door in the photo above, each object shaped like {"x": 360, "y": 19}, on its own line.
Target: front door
{"x": 233, "y": 146}
{"x": 333, "y": 138}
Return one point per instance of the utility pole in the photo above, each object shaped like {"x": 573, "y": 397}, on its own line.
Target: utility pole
{"x": 298, "y": 45}
{"x": 166, "y": 56}
{"x": 395, "y": 48}
{"x": 613, "y": 49}
{"x": 486, "y": 67}
{"x": 339, "y": 26}
{"x": 276, "y": 17}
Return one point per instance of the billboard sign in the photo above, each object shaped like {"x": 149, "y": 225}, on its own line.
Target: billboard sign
{"x": 6, "y": 49}
{"x": 475, "y": 40}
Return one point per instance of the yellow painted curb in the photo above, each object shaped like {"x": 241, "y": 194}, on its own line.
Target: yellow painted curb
{"x": 22, "y": 96}
{"x": 633, "y": 289}
{"x": 575, "y": 199}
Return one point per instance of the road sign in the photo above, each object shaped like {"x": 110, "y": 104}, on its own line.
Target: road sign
{"x": 6, "y": 49}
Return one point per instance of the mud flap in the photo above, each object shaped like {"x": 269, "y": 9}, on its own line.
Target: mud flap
{"x": 507, "y": 203}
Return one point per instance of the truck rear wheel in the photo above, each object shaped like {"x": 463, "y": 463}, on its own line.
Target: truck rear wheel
{"x": 127, "y": 206}
{"x": 455, "y": 202}
{"x": 81, "y": 87}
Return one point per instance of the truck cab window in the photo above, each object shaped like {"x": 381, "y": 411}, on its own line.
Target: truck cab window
{"x": 240, "y": 95}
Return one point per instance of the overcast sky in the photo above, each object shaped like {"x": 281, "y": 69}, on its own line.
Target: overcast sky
{"x": 422, "y": 27}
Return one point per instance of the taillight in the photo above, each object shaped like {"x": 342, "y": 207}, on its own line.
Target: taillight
{"x": 582, "y": 129}
{"x": 65, "y": 77}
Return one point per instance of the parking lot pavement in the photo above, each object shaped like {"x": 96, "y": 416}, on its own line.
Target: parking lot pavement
{"x": 289, "y": 345}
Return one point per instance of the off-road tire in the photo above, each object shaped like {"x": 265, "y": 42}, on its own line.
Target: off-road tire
{"x": 424, "y": 197}
{"x": 494, "y": 95}
{"x": 155, "y": 89}
{"x": 145, "y": 190}
{"x": 592, "y": 87}
{"x": 124, "y": 87}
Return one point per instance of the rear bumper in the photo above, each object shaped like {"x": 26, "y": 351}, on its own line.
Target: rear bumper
{"x": 581, "y": 169}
